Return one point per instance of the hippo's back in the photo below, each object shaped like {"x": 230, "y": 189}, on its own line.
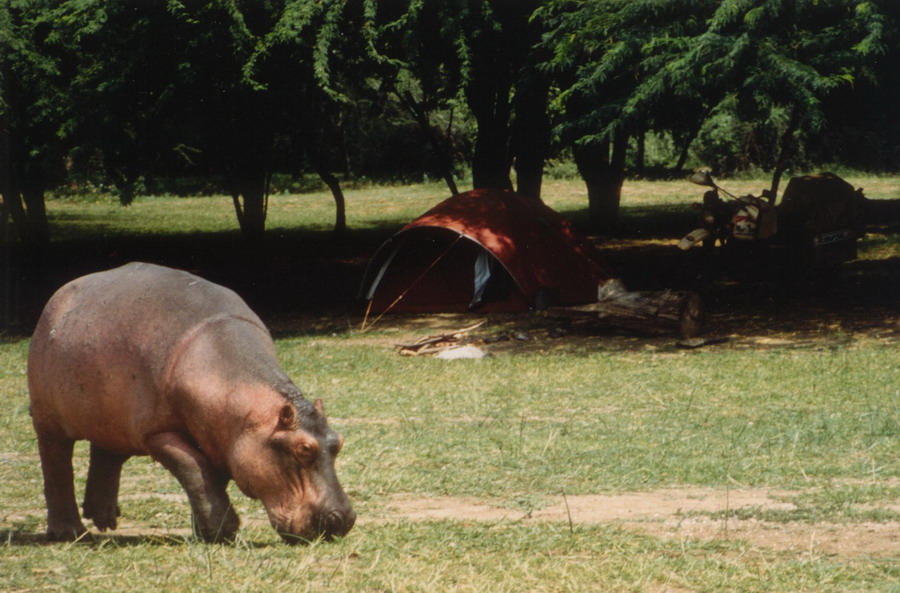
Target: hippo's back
{"x": 105, "y": 340}
{"x": 141, "y": 307}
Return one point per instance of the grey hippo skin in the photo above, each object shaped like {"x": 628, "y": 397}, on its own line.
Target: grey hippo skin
{"x": 146, "y": 360}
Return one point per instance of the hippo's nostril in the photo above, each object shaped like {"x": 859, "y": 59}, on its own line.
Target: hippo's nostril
{"x": 326, "y": 524}
{"x": 336, "y": 523}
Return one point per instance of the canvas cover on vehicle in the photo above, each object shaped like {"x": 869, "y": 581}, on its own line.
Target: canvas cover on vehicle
{"x": 819, "y": 203}
{"x": 486, "y": 250}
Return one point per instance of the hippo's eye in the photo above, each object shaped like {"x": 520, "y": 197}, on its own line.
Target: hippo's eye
{"x": 305, "y": 448}
{"x": 306, "y": 451}
{"x": 297, "y": 445}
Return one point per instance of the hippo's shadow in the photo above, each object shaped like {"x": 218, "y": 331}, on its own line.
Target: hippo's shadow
{"x": 24, "y": 538}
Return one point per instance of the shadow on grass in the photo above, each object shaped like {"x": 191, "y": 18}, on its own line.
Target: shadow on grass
{"x": 24, "y": 538}
{"x": 306, "y": 281}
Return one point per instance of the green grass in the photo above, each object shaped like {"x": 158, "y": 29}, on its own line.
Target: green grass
{"x": 77, "y": 218}
{"x": 444, "y": 557}
{"x": 597, "y": 422}
{"x": 842, "y": 503}
{"x": 516, "y": 430}
{"x": 388, "y": 207}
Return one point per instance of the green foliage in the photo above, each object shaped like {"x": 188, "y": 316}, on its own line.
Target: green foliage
{"x": 613, "y": 58}
{"x": 466, "y": 57}
{"x": 664, "y": 63}
{"x": 120, "y": 94}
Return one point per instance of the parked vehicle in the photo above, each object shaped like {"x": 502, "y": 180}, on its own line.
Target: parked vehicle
{"x": 814, "y": 227}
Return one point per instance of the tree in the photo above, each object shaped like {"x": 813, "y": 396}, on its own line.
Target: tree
{"x": 35, "y": 115}
{"x": 625, "y": 64}
{"x": 862, "y": 127}
{"x": 232, "y": 120}
{"x": 407, "y": 48}
{"x": 601, "y": 53}
{"x": 782, "y": 60}
{"x": 506, "y": 93}
{"x": 156, "y": 87}
{"x": 129, "y": 72}
{"x": 481, "y": 52}
{"x": 236, "y": 89}
{"x": 308, "y": 59}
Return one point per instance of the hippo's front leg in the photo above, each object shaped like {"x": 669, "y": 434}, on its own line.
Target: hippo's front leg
{"x": 214, "y": 517}
{"x": 102, "y": 491}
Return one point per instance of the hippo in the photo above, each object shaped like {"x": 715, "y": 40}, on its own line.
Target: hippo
{"x": 148, "y": 360}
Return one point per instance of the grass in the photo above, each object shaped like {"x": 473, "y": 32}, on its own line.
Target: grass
{"x": 612, "y": 421}
{"x": 818, "y": 422}
{"x": 445, "y": 557}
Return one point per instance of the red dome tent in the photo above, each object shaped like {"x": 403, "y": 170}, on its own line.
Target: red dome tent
{"x": 486, "y": 249}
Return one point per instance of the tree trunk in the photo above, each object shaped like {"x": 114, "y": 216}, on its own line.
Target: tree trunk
{"x": 7, "y": 291}
{"x": 431, "y": 136}
{"x": 8, "y": 278}
{"x": 603, "y": 175}
{"x": 531, "y": 134}
{"x": 786, "y": 146}
{"x": 22, "y": 188}
{"x": 39, "y": 226}
{"x": 685, "y": 147}
{"x": 641, "y": 156}
{"x": 12, "y": 201}
{"x": 28, "y": 213}
{"x": 251, "y": 211}
{"x": 340, "y": 208}
{"x": 340, "y": 204}
{"x": 488, "y": 97}
{"x": 490, "y": 161}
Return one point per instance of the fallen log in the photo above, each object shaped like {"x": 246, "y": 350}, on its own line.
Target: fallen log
{"x": 432, "y": 344}
{"x": 645, "y": 312}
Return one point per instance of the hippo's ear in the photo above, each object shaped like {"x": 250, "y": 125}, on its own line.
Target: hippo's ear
{"x": 287, "y": 417}
{"x": 320, "y": 407}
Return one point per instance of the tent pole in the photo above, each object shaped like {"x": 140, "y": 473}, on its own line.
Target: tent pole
{"x": 366, "y": 317}
{"x": 408, "y": 288}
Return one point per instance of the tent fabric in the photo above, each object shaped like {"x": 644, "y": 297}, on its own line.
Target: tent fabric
{"x": 486, "y": 249}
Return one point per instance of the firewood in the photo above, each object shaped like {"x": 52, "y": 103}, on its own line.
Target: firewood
{"x": 645, "y": 312}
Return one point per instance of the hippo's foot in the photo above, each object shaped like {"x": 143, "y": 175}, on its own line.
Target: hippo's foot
{"x": 220, "y": 528}
{"x": 104, "y": 514}
{"x": 57, "y": 532}
{"x": 102, "y": 490}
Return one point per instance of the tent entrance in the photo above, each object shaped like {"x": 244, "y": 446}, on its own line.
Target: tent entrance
{"x": 435, "y": 269}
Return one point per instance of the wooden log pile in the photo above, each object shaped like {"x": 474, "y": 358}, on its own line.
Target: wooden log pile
{"x": 644, "y": 312}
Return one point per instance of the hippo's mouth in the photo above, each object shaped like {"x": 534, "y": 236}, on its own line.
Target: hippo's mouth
{"x": 308, "y": 528}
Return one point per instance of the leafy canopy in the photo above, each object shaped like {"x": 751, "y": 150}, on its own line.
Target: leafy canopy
{"x": 633, "y": 58}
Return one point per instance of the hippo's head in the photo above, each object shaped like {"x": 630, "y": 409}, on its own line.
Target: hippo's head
{"x": 289, "y": 466}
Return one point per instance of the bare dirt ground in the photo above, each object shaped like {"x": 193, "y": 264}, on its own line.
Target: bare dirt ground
{"x": 675, "y": 514}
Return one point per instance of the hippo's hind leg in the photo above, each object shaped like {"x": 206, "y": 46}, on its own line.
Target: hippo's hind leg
{"x": 214, "y": 517}
{"x": 102, "y": 491}
{"x": 63, "y": 521}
